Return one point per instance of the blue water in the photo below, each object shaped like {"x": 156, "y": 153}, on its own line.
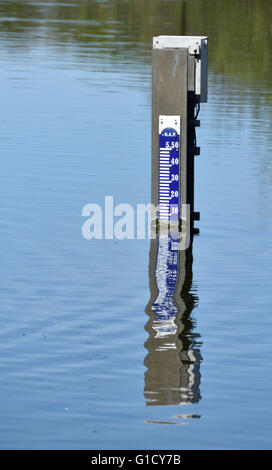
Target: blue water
{"x": 75, "y": 127}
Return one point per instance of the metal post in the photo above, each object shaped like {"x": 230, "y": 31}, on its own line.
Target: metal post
{"x": 169, "y": 99}
{"x": 179, "y": 84}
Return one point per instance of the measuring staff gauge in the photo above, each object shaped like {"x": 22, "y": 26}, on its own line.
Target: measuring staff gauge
{"x": 169, "y": 168}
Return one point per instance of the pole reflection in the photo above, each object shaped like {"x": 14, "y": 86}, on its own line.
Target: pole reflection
{"x": 173, "y": 358}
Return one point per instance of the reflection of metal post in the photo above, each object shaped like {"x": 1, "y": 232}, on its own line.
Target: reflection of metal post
{"x": 179, "y": 84}
{"x": 173, "y": 359}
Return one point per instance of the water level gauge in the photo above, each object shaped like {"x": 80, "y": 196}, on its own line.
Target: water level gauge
{"x": 169, "y": 168}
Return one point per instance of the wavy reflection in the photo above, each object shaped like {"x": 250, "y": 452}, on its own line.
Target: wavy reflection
{"x": 173, "y": 358}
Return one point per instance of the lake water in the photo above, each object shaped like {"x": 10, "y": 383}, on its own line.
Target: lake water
{"x": 79, "y": 365}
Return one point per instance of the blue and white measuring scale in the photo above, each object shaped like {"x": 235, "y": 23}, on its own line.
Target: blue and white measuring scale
{"x": 169, "y": 168}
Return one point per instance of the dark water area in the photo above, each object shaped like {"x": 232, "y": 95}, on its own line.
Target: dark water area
{"x": 83, "y": 364}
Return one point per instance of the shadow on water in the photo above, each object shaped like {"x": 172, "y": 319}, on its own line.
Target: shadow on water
{"x": 173, "y": 359}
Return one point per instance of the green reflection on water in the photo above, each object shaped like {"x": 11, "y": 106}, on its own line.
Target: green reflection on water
{"x": 239, "y": 30}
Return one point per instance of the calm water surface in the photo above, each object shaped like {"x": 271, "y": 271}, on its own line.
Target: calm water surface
{"x": 80, "y": 366}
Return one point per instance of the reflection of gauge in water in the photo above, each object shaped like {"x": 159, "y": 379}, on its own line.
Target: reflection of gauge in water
{"x": 169, "y": 167}
{"x": 166, "y": 280}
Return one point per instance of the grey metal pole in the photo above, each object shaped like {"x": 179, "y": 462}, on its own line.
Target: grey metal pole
{"x": 169, "y": 98}
{"x": 179, "y": 84}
